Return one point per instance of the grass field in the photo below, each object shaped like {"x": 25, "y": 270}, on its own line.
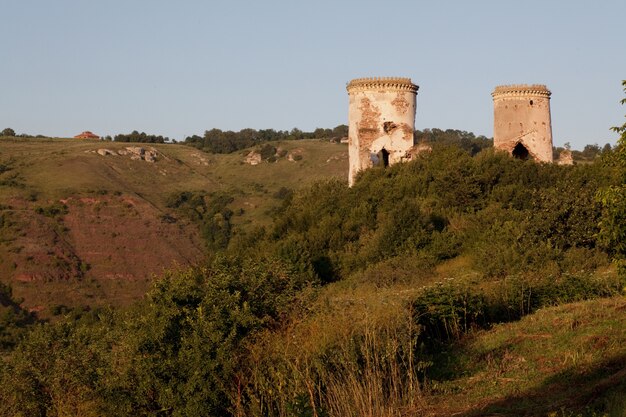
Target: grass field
{"x": 56, "y": 168}
{"x": 570, "y": 357}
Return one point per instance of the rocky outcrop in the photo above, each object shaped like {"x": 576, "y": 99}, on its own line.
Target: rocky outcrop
{"x": 142, "y": 154}
{"x": 136, "y": 153}
{"x": 295, "y": 155}
{"x": 253, "y": 158}
{"x": 565, "y": 158}
{"x": 201, "y": 160}
{"x": 268, "y": 153}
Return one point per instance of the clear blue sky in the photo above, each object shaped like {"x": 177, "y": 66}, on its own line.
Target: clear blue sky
{"x": 177, "y": 68}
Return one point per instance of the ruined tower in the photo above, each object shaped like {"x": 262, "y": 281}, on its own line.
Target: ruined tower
{"x": 521, "y": 121}
{"x": 381, "y": 120}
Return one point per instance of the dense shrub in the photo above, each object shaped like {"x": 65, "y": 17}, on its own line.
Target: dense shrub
{"x": 506, "y": 215}
{"x": 210, "y": 211}
{"x": 14, "y": 320}
{"x": 177, "y": 352}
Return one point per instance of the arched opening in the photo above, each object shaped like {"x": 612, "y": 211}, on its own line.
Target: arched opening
{"x": 383, "y": 157}
{"x": 520, "y": 152}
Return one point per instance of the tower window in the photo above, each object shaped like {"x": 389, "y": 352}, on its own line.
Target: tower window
{"x": 531, "y": 102}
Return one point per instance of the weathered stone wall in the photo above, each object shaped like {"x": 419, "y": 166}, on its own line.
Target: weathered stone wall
{"x": 522, "y": 125}
{"x": 381, "y": 119}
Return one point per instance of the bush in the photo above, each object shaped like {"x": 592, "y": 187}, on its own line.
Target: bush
{"x": 54, "y": 210}
{"x": 210, "y": 211}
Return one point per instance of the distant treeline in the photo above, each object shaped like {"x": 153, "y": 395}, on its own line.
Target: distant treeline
{"x": 467, "y": 141}
{"x": 8, "y": 132}
{"x": 142, "y": 137}
{"x": 219, "y": 141}
{"x": 589, "y": 152}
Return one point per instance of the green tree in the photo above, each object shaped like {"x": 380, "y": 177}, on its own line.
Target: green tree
{"x": 184, "y": 345}
{"x": 613, "y": 199}
{"x": 340, "y": 131}
{"x": 7, "y": 132}
{"x": 591, "y": 151}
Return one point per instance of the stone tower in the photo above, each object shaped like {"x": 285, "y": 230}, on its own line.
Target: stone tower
{"x": 521, "y": 121}
{"x": 381, "y": 120}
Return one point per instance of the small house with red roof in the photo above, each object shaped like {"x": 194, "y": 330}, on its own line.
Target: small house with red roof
{"x": 87, "y": 135}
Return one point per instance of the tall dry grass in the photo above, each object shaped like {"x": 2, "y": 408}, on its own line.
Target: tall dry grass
{"x": 384, "y": 384}
{"x": 356, "y": 359}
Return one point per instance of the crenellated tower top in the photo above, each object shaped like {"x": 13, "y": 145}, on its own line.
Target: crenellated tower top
{"x": 382, "y": 83}
{"x": 521, "y": 90}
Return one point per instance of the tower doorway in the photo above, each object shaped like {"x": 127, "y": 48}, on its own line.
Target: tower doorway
{"x": 520, "y": 152}
{"x": 383, "y": 157}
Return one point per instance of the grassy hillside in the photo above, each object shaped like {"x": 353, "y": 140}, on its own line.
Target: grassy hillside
{"x": 52, "y": 169}
{"x": 568, "y": 360}
{"x": 80, "y": 228}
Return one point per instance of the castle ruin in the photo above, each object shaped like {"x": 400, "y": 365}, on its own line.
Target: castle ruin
{"x": 522, "y": 125}
{"x": 381, "y": 120}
